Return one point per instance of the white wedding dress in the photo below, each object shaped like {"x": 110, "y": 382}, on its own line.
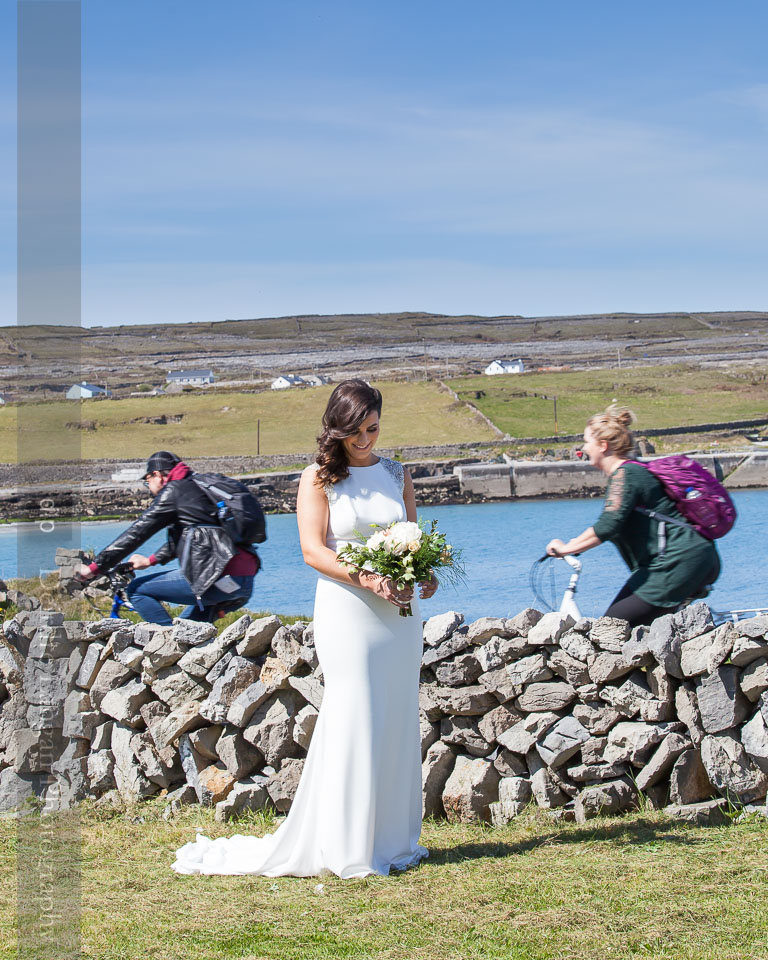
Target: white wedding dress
{"x": 357, "y": 810}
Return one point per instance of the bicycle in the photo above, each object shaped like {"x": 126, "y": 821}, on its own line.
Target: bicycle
{"x": 541, "y": 571}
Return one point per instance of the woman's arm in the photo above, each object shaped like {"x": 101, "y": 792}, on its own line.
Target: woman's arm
{"x": 584, "y": 541}
{"x": 427, "y": 588}
{"x": 312, "y": 514}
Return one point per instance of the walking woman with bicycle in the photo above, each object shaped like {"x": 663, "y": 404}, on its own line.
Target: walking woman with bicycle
{"x": 671, "y": 562}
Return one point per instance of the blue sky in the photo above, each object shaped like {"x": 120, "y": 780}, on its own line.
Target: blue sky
{"x": 246, "y": 159}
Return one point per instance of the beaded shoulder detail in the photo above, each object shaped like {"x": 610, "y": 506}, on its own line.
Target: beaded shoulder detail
{"x": 395, "y": 470}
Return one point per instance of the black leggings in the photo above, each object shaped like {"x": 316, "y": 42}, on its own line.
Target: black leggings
{"x": 628, "y": 606}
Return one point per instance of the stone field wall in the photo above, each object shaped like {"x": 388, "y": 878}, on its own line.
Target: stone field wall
{"x": 579, "y": 718}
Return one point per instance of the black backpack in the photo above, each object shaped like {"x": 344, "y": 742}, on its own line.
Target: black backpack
{"x": 239, "y": 512}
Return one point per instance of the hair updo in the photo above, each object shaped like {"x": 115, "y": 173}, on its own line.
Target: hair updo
{"x": 613, "y": 427}
{"x": 348, "y": 406}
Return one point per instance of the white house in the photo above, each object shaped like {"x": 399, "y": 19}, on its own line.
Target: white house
{"x": 287, "y": 380}
{"x": 86, "y": 391}
{"x": 190, "y": 378}
{"x": 504, "y": 366}
{"x": 316, "y": 379}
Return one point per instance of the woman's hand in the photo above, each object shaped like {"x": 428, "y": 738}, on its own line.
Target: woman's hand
{"x": 428, "y": 587}
{"x": 556, "y": 548}
{"x": 386, "y": 588}
{"x": 139, "y": 562}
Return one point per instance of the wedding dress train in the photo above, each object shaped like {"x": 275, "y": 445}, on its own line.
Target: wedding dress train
{"x": 357, "y": 810}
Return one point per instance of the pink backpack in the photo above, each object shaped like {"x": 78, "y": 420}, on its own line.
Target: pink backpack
{"x": 702, "y": 500}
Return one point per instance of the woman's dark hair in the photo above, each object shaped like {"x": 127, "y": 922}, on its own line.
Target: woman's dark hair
{"x": 349, "y": 404}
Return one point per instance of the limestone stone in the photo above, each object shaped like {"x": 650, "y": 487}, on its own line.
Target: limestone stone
{"x": 163, "y": 650}
{"x": 529, "y": 670}
{"x": 275, "y": 674}
{"x": 129, "y": 777}
{"x": 577, "y": 646}
{"x": 486, "y": 627}
{"x": 490, "y": 655}
{"x": 707, "y": 652}
{"x": 753, "y": 627}
{"x": 754, "y": 739}
{"x": 180, "y": 797}
{"x": 287, "y": 649}
{"x": 573, "y": 671}
{"x": 596, "y": 717}
{"x": 664, "y": 642}
{"x": 220, "y": 667}
{"x": 459, "y": 671}
{"x": 192, "y": 763}
{"x": 636, "y": 650}
{"x": 592, "y": 750}
{"x": 45, "y": 681}
{"x": 496, "y": 721}
{"x": 34, "y": 751}
{"x": 610, "y": 634}
{"x": 470, "y": 790}
{"x": 248, "y": 702}
{"x": 662, "y": 760}
{"x": 101, "y": 771}
{"x": 609, "y": 666}
{"x": 101, "y": 737}
{"x": 197, "y": 661}
{"x": 270, "y": 729}
{"x": 306, "y": 719}
{"x": 464, "y": 701}
{"x": 542, "y": 697}
{"x": 688, "y": 781}
{"x": 111, "y": 676}
{"x": 562, "y": 741}
{"x": 499, "y": 683}
{"x": 175, "y": 687}
{"x": 144, "y": 632}
{"x": 49, "y": 643}
{"x": 204, "y": 740}
{"x": 634, "y": 741}
{"x": 458, "y": 641}
{"x": 730, "y": 770}
{"x": 522, "y": 736}
{"x": 166, "y": 730}
{"x": 655, "y": 711}
{"x": 550, "y": 628}
{"x": 240, "y": 757}
{"x": 215, "y": 783}
{"x": 722, "y": 705}
{"x": 611, "y": 797}
{"x": 236, "y": 631}
{"x": 282, "y": 785}
{"x": 545, "y": 788}
{"x": 687, "y": 709}
{"x": 248, "y": 794}
{"x": 43, "y": 716}
{"x": 438, "y": 628}
{"x": 124, "y": 703}
{"x": 514, "y": 796}
{"x": 590, "y": 772}
{"x": 428, "y": 703}
{"x": 628, "y": 697}
{"x": 190, "y": 633}
{"x": 82, "y": 724}
{"x": 509, "y": 764}
{"x": 747, "y": 649}
{"x": 463, "y": 732}
{"x": 90, "y": 665}
{"x": 710, "y": 813}
{"x": 99, "y": 629}
{"x": 521, "y": 624}
{"x": 131, "y": 657}
{"x": 160, "y": 766}
{"x": 754, "y": 679}
{"x": 258, "y": 637}
{"x": 693, "y": 620}
{"x": 435, "y": 770}
{"x": 239, "y": 675}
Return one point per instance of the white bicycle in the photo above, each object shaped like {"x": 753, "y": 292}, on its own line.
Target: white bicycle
{"x": 554, "y": 588}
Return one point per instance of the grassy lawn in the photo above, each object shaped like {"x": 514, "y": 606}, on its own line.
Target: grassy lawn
{"x": 659, "y": 396}
{"x": 639, "y": 886}
{"x": 225, "y": 424}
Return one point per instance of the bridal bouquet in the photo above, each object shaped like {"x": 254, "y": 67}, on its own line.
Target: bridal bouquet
{"x": 406, "y": 552}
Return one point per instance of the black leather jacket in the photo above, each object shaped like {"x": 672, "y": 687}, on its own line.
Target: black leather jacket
{"x": 194, "y": 535}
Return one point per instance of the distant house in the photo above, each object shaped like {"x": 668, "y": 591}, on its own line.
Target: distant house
{"x": 504, "y": 366}
{"x": 190, "y": 378}
{"x": 287, "y": 380}
{"x": 316, "y": 380}
{"x": 2, "y": 400}
{"x": 86, "y": 391}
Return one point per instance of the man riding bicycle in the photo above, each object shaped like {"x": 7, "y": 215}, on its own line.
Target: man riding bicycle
{"x": 214, "y": 576}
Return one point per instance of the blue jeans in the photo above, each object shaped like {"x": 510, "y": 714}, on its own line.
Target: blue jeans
{"x": 148, "y": 593}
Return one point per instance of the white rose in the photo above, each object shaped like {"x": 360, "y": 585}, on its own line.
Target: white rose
{"x": 406, "y": 532}
{"x": 376, "y": 541}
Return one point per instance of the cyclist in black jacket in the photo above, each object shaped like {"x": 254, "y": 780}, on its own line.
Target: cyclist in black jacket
{"x": 214, "y": 574}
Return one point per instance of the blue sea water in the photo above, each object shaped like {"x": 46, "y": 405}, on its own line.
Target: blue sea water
{"x": 499, "y": 543}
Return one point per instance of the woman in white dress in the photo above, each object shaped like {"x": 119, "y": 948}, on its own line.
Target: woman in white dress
{"x": 357, "y": 810}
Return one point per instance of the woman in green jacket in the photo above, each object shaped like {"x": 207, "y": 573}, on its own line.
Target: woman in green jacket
{"x": 667, "y": 570}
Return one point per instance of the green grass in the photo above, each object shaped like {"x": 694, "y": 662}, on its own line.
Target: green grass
{"x": 225, "y": 424}
{"x": 635, "y": 887}
{"x": 660, "y": 397}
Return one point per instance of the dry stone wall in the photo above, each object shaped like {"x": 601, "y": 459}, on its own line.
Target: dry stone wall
{"x": 580, "y": 718}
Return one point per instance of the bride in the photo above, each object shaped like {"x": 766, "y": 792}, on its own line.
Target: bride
{"x": 357, "y": 810}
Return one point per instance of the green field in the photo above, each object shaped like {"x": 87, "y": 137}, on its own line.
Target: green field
{"x": 660, "y": 396}
{"x": 224, "y": 424}
{"x": 636, "y": 887}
